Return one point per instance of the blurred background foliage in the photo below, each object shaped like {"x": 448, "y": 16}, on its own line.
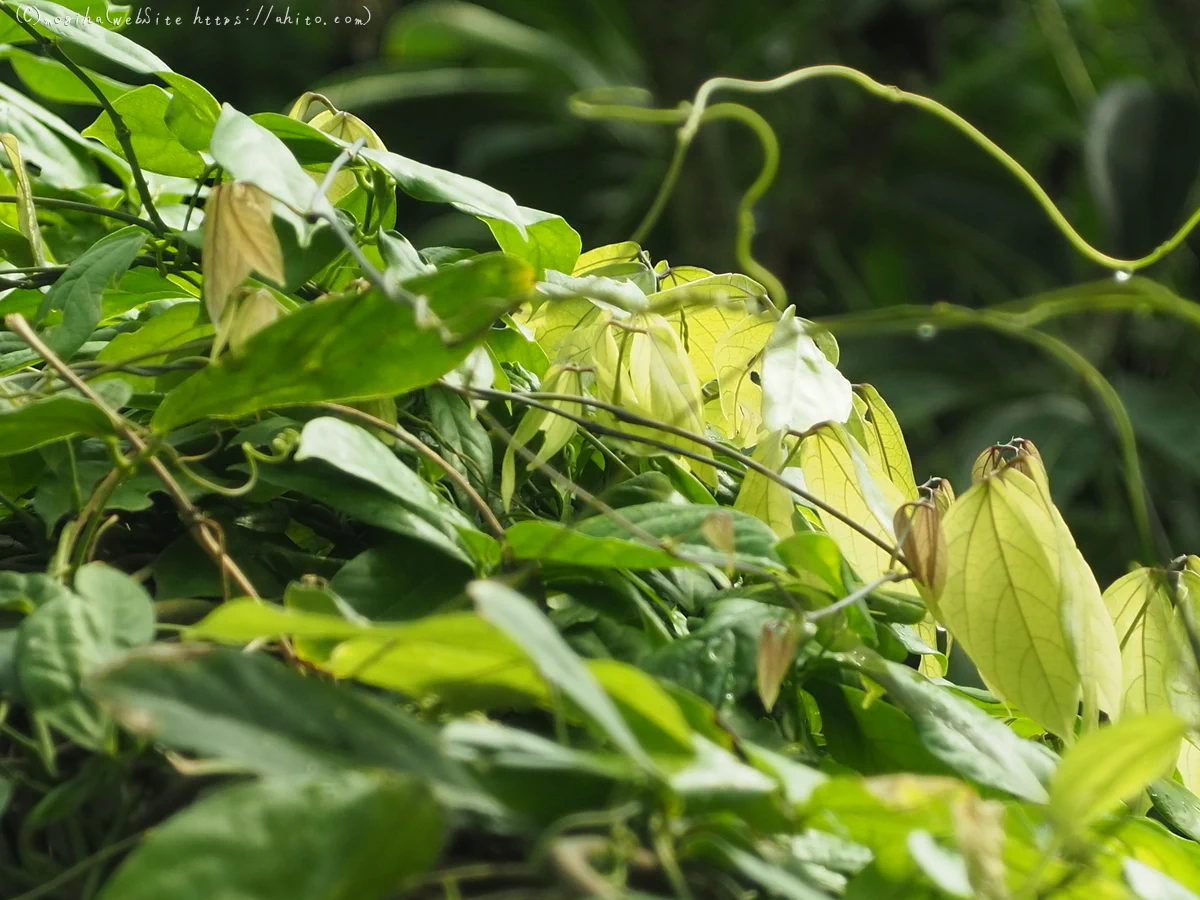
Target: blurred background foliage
{"x": 875, "y": 205}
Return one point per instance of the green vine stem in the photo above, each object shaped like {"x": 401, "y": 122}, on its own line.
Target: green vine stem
{"x": 693, "y": 117}
{"x": 1018, "y": 327}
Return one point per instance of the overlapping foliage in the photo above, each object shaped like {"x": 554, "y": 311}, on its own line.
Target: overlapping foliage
{"x": 340, "y": 568}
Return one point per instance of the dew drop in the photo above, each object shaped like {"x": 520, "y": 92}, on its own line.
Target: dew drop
{"x": 1122, "y": 275}
{"x": 926, "y": 332}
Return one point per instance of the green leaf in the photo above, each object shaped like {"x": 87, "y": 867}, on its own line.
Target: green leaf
{"x": 66, "y": 640}
{"x": 467, "y": 445}
{"x": 457, "y": 658}
{"x": 354, "y": 451}
{"x": 815, "y": 554}
{"x": 1152, "y": 844}
{"x": 651, "y": 713}
{"x": 369, "y": 504}
{"x": 56, "y": 82}
{"x": 79, "y": 292}
{"x": 254, "y": 711}
{"x": 963, "y": 736}
{"x": 549, "y": 242}
{"x": 52, "y": 144}
{"x": 552, "y": 542}
{"x": 351, "y": 348}
{"x": 192, "y": 113}
{"x": 684, "y": 527}
{"x": 776, "y": 880}
{"x": 520, "y": 619}
{"x": 1151, "y": 884}
{"x": 182, "y": 323}
{"x": 1178, "y": 806}
{"x": 38, "y": 422}
{"x": 349, "y": 836}
{"x": 82, "y": 32}
{"x": 144, "y": 111}
{"x": 1111, "y": 765}
{"x": 439, "y": 186}
{"x": 251, "y": 153}
{"x": 868, "y": 735}
{"x": 399, "y": 581}
{"x": 718, "y": 660}
{"x": 401, "y": 256}
{"x": 26, "y": 213}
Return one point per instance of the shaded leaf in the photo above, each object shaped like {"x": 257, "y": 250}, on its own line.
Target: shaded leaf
{"x": 346, "y": 836}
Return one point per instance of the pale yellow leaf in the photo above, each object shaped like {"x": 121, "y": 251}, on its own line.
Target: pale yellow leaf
{"x": 348, "y": 128}
{"x": 932, "y": 665}
{"x": 255, "y": 312}
{"x": 556, "y": 430}
{"x": 238, "y": 239}
{"x": 641, "y": 366}
{"x": 1087, "y": 625}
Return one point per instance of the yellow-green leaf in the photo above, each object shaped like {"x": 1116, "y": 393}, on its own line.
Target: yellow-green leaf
{"x": 1140, "y": 608}
{"x": 1111, "y": 765}
{"x": 885, "y": 441}
{"x": 556, "y": 430}
{"x": 1002, "y": 602}
{"x": 1087, "y": 625}
{"x": 839, "y": 472}
{"x": 26, "y": 214}
{"x": 238, "y": 239}
{"x": 764, "y": 498}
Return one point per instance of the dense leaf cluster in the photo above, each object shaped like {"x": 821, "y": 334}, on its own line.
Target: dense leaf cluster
{"x": 336, "y": 567}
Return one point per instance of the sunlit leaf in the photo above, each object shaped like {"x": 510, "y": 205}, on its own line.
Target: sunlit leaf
{"x": 144, "y": 111}
{"x": 801, "y": 388}
{"x": 764, "y": 498}
{"x": 1002, "y": 601}
{"x": 1111, "y": 765}
{"x": 1140, "y": 606}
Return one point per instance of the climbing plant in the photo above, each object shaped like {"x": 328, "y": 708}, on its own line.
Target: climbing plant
{"x": 337, "y": 567}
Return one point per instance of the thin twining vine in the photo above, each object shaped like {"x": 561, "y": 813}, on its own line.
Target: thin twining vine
{"x": 690, "y": 116}
{"x": 200, "y": 527}
{"x": 1017, "y": 325}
